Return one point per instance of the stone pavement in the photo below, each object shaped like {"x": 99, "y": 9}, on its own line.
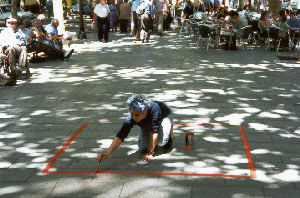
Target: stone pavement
{"x": 238, "y": 93}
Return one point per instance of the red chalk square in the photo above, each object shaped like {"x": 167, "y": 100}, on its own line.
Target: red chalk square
{"x": 251, "y": 167}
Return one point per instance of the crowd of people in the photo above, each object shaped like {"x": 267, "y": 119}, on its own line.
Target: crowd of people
{"x": 141, "y": 16}
{"x": 16, "y": 41}
{"x": 148, "y": 16}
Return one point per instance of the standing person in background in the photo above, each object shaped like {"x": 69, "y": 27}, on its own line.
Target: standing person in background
{"x": 168, "y": 19}
{"x": 178, "y": 9}
{"x": 113, "y": 16}
{"x": 145, "y": 10}
{"x": 101, "y": 16}
{"x": 206, "y": 5}
{"x": 49, "y": 8}
{"x": 188, "y": 11}
{"x": 125, "y": 11}
{"x": 216, "y": 5}
{"x": 159, "y": 6}
{"x": 136, "y": 28}
{"x": 298, "y": 7}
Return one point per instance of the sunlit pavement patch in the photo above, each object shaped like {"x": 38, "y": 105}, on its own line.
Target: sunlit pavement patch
{"x": 165, "y": 164}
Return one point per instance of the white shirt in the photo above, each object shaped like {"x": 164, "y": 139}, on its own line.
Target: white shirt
{"x": 101, "y": 10}
{"x": 8, "y": 37}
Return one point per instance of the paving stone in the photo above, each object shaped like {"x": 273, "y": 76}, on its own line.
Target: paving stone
{"x": 280, "y": 192}
{"x": 16, "y": 175}
{"x": 225, "y": 191}
{"x": 39, "y": 189}
{"x": 78, "y": 188}
{"x": 153, "y": 190}
{"x": 240, "y": 88}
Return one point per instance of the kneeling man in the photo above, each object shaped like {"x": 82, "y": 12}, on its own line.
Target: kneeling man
{"x": 155, "y": 120}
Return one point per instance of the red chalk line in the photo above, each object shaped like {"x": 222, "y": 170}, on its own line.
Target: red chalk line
{"x": 241, "y": 131}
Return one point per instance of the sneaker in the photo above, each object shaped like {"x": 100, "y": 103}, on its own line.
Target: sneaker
{"x": 11, "y": 82}
{"x": 69, "y": 53}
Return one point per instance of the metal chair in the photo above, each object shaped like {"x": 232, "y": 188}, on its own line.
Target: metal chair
{"x": 188, "y": 25}
{"x": 207, "y": 34}
{"x": 245, "y": 35}
{"x": 276, "y": 35}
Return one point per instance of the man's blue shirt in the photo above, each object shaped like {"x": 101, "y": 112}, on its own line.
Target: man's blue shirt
{"x": 52, "y": 29}
{"x": 295, "y": 24}
{"x": 135, "y": 5}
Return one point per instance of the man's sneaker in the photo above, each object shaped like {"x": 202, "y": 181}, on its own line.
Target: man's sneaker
{"x": 11, "y": 82}
{"x": 69, "y": 53}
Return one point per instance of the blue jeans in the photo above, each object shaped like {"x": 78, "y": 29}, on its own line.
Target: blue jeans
{"x": 163, "y": 133}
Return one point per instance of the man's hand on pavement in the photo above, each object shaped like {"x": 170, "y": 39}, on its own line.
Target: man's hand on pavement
{"x": 147, "y": 157}
{"x": 103, "y": 156}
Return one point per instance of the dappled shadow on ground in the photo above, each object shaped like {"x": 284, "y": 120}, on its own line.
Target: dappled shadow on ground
{"x": 249, "y": 88}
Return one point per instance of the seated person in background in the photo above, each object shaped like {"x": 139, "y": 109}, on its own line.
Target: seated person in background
{"x": 264, "y": 21}
{"x": 226, "y": 11}
{"x": 229, "y": 20}
{"x": 282, "y": 12}
{"x": 240, "y": 22}
{"x": 288, "y": 6}
{"x": 220, "y": 16}
{"x": 246, "y": 9}
{"x": 264, "y": 24}
{"x": 285, "y": 30}
{"x": 52, "y": 30}
{"x": 294, "y": 23}
{"x": 11, "y": 39}
{"x": 8, "y": 80}
{"x": 41, "y": 44}
{"x": 283, "y": 24}
{"x": 23, "y": 32}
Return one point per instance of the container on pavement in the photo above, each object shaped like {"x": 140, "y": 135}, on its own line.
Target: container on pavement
{"x": 189, "y": 141}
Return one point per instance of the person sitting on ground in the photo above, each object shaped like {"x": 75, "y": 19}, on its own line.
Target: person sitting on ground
{"x": 155, "y": 120}
{"x": 41, "y": 44}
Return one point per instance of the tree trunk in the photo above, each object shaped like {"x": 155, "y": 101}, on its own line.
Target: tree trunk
{"x": 274, "y": 7}
{"x": 58, "y": 14}
{"x": 14, "y": 9}
{"x": 241, "y": 3}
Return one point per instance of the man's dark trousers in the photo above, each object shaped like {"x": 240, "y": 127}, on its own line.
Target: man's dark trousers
{"x": 103, "y": 28}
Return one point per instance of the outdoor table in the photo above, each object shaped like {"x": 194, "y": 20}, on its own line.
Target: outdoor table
{"x": 228, "y": 33}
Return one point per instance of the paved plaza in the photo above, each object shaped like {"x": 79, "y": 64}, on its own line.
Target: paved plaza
{"x": 242, "y": 106}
